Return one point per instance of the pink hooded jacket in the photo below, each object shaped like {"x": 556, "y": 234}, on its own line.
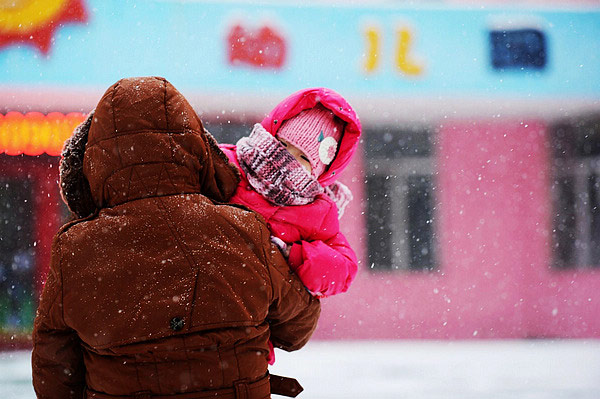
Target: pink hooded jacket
{"x": 320, "y": 254}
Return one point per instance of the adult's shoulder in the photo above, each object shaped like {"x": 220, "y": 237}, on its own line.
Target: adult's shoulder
{"x": 240, "y": 215}
{"x": 64, "y": 229}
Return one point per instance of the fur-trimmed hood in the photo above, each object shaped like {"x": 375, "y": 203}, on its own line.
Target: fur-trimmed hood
{"x": 143, "y": 139}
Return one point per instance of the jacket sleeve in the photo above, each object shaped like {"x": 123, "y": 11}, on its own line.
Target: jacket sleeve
{"x": 328, "y": 266}
{"x": 293, "y": 313}
{"x": 57, "y": 361}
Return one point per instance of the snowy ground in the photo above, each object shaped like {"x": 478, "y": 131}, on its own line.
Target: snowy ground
{"x": 414, "y": 369}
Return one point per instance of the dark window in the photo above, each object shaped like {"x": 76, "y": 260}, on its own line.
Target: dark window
{"x": 594, "y": 207}
{"x": 385, "y": 143}
{"x": 420, "y": 218}
{"x": 519, "y": 48}
{"x": 228, "y": 133}
{"x": 401, "y": 203}
{"x": 379, "y": 222}
{"x": 576, "y": 193}
{"x": 564, "y": 222}
{"x": 17, "y": 255}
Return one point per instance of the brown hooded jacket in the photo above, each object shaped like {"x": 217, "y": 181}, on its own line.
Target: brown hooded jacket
{"x": 159, "y": 289}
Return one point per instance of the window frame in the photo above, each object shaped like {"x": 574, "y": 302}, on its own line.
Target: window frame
{"x": 579, "y": 171}
{"x": 401, "y": 167}
{"x": 571, "y": 163}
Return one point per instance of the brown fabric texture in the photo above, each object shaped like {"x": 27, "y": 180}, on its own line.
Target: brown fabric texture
{"x": 162, "y": 290}
{"x": 74, "y": 187}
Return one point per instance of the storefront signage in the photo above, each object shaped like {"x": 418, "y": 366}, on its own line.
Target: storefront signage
{"x": 35, "y": 133}
{"x": 237, "y": 47}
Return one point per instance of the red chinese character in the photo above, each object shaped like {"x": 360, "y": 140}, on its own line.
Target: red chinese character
{"x": 262, "y": 48}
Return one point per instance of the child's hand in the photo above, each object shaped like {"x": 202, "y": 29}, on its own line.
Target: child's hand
{"x": 283, "y": 247}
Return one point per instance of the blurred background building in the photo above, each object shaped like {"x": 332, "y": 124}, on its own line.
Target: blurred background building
{"x": 477, "y": 187}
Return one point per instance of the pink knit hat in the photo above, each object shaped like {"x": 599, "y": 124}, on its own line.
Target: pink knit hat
{"x": 316, "y": 132}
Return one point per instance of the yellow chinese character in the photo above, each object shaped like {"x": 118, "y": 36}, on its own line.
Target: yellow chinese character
{"x": 403, "y": 61}
{"x": 372, "y": 55}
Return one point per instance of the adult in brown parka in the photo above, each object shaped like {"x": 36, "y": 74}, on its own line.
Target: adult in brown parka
{"x": 159, "y": 290}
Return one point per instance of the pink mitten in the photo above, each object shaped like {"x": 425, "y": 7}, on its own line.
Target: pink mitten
{"x": 271, "y": 356}
{"x": 340, "y": 194}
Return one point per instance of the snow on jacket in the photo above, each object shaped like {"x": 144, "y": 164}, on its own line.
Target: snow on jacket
{"x": 163, "y": 289}
{"x": 320, "y": 254}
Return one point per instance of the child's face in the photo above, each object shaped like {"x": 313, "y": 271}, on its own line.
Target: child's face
{"x": 299, "y": 155}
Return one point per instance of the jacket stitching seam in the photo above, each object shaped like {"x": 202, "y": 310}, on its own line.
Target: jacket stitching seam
{"x": 267, "y": 258}
{"x": 142, "y": 131}
{"x": 183, "y": 246}
{"x": 112, "y": 106}
{"x": 137, "y": 373}
{"x": 172, "y": 162}
{"x": 62, "y": 299}
{"x": 129, "y": 180}
{"x": 221, "y": 366}
{"x": 169, "y": 333}
{"x": 188, "y": 360}
{"x": 165, "y": 104}
{"x": 156, "y": 369}
{"x": 132, "y": 167}
{"x": 237, "y": 362}
{"x": 158, "y": 181}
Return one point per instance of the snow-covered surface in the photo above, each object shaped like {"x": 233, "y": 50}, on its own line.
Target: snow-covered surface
{"x": 414, "y": 369}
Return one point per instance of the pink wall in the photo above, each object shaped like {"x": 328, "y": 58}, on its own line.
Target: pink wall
{"x": 494, "y": 279}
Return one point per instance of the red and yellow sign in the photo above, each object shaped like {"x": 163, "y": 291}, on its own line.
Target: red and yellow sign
{"x": 35, "y": 133}
{"x": 34, "y": 21}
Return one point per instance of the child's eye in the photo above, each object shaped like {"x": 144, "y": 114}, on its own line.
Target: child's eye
{"x": 305, "y": 158}
{"x": 284, "y": 143}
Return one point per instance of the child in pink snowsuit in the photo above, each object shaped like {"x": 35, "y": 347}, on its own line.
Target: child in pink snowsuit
{"x": 316, "y": 128}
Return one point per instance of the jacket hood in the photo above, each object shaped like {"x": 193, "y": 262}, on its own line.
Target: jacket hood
{"x": 308, "y": 98}
{"x": 143, "y": 139}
